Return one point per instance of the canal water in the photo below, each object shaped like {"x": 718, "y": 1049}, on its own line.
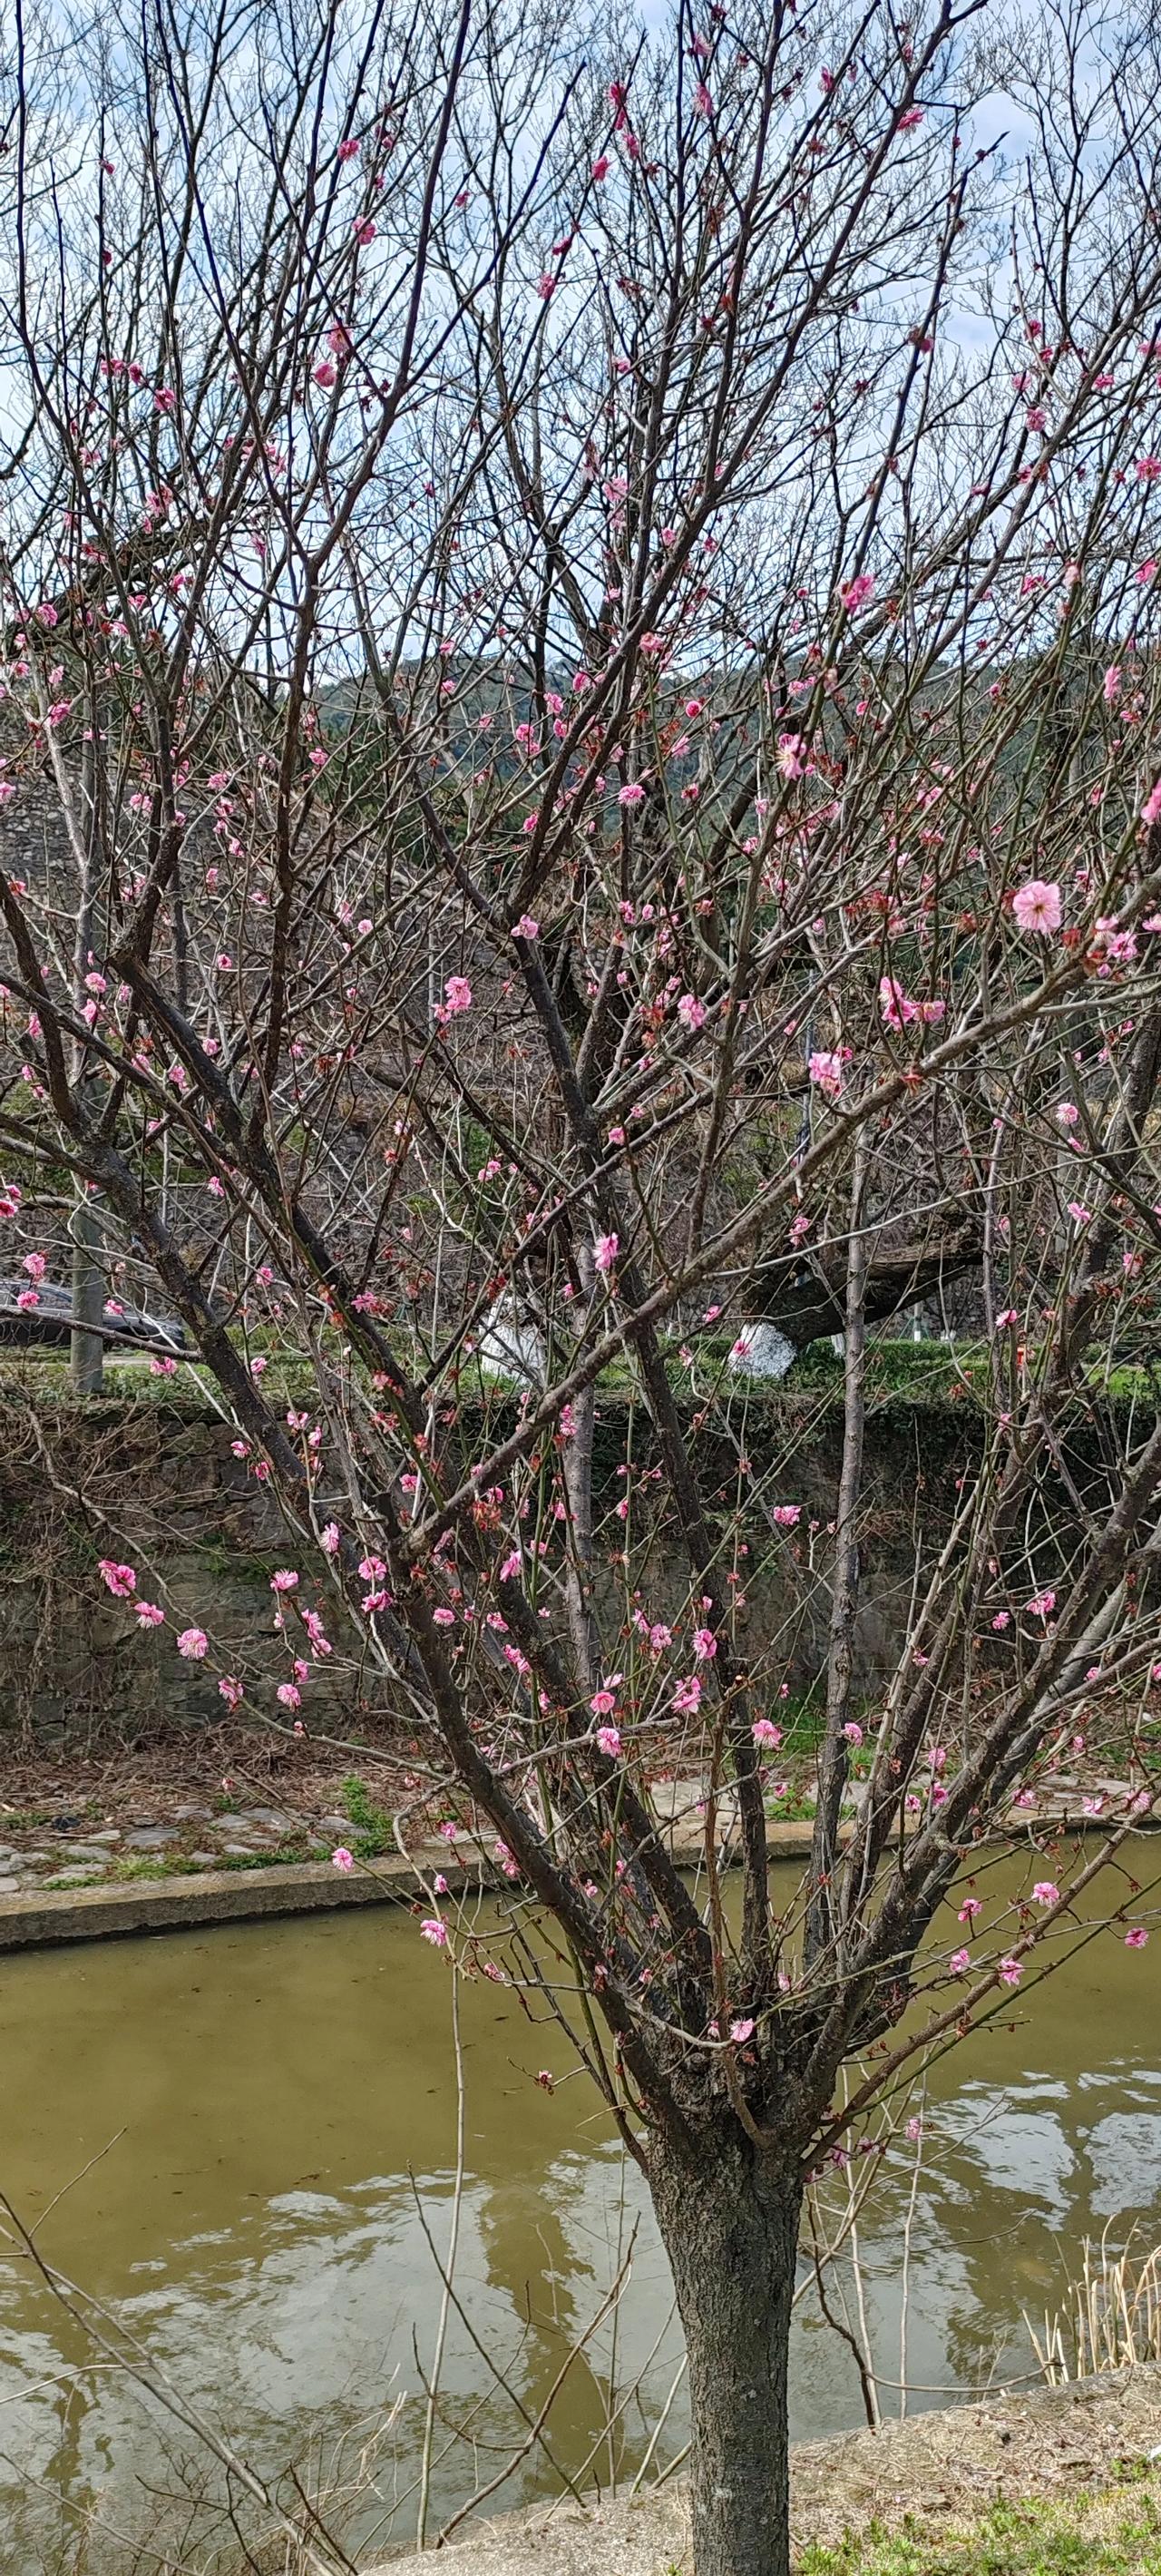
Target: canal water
{"x": 273, "y": 2113}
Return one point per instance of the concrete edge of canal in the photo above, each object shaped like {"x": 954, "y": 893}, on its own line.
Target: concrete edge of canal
{"x": 934, "y": 2471}
{"x": 35, "y": 1919}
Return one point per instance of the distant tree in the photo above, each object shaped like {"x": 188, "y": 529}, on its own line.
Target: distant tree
{"x": 589, "y": 611}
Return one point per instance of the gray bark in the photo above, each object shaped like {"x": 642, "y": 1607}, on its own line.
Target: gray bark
{"x": 729, "y": 2220}
{"x": 87, "y": 1350}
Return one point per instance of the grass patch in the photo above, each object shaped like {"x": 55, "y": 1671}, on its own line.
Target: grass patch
{"x": 160, "y": 1865}
{"x": 33, "y": 1820}
{"x": 790, "y": 1810}
{"x": 147, "y": 1865}
{"x": 1114, "y": 2533}
{"x": 374, "y": 1835}
{"x": 282, "y": 1855}
{"x": 936, "y": 1374}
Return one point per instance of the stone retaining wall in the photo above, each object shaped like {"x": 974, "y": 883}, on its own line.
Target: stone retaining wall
{"x": 156, "y": 1481}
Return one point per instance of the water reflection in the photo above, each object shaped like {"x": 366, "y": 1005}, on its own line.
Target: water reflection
{"x": 286, "y": 2094}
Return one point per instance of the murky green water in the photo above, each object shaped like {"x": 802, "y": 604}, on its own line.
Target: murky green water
{"x": 286, "y": 2099}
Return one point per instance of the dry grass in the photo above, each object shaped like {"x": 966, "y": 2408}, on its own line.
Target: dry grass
{"x": 1110, "y": 2318}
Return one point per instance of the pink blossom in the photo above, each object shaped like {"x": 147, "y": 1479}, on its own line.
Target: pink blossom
{"x": 1151, "y": 808}
{"x": 609, "y": 1740}
{"x": 687, "y": 1696}
{"x": 1042, "y": 1604}
{"x": 231, "y": 1691}
{"x": 895, "y": 1008}
{"x": 969, "y": 1909}
{"x": 1046, "y": 1892}
{"x": 192, "y": 1644}
{"x": 120, "y": 1579}
{"x": 342, "y": 1859}
{"x": 705, "y": 1645}
{"x": 348, "y": 148}
{"x": 288, "y": 1695}
{"x": 911, "y": 117}
{"x": 1036, "y": 906}
{"x": 284, "y": 1580}
{"x": 1112, "y": 683}
{"x": 603, "y": 1702}
{"x": 959, "y": 1962}
{"x": 1136, "y": 1938}
{"x": 28, "y": 1301}
{"x": 605, "y": 1251}
{"x": 826, "y": 1069}
{"x": 1067, "y": 1113}
{"x": 364, "y": 231}
{"x": 1010, "y": 1972}
{"x": 457, "y": 995}
{"x": 766, "y": 1734}
{"x": 691, "y": 1012}
{"x": 35, "y": 1264}
{"x": 148, "y": 1615}
{"x": 853, "y": 593}
{"x": 526, "y": 927}
{"x": 601, "y": 167}
{"x": 853, "y": 1732}
{"x": 325, "y": 374}
{"x": 786, "y": 1515}
{"x": 431, "y": 1929}
{"x": 632, "y": 794}
{"x": 741, "y": 2030}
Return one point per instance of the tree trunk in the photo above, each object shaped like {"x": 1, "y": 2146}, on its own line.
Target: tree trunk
{"x": 730, "y": 2226}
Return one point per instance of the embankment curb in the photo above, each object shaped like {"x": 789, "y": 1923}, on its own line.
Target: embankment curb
{"x": 37, "y": 1919}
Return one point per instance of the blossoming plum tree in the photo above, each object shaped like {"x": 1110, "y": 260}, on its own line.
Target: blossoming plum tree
{"x": 581, "y": 699}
